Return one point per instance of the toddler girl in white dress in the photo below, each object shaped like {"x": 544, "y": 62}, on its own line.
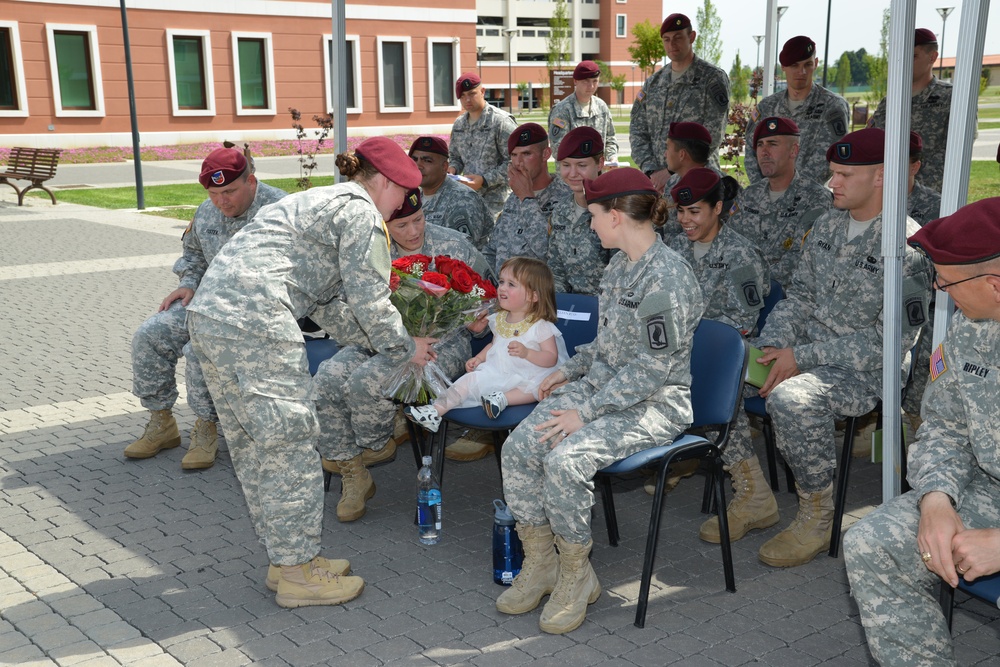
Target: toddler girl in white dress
{"x": 526, "y": 347}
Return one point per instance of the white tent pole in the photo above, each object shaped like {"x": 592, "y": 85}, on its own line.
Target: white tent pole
{"x": 897, "y": 160}
{"x": 338, "y": 76}
{"x": 961, "y": 129}
{"x": 769, "y": 29}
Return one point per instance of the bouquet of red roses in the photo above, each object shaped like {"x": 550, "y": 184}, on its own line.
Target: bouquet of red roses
{"x": 437, "y": 298}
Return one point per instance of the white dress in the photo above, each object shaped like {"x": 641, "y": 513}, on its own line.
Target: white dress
{"x": 502, "y": 372}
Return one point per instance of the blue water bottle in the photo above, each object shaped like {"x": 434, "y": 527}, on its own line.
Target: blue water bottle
{"x": 507, "y": 551}
{"x": 428, "y": 504}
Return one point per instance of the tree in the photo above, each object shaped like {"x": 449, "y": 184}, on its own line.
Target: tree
{"x": 647, "y": 48}
{"x": 615, "y": 82}
{"x": 708, "y": 43}
{"x": 843, "y": 78}
{"x": 557, "y": 43}
{"x": 859, "y": 67}
{"x": 739, "y": 80}
{"x": 878, "y": 68}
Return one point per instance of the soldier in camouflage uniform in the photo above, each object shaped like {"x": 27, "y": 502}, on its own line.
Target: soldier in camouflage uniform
{"x": 575, "y": 255}
{"x": 689, "y": 90}
{"x": 930, "y": 109}
{"x": 626, "y": 391}
{"x": 778, "y": 211}
{"x": 825, "y": 341}
{"x": 478, "y": 137}
{"x": 947, "y": 526}
{"x": 446, "y": 202}
{"x": 922, "y": 203}
{"x": 821, "y": 115}
{"x": 522, "y": 230}
{"x": 584, "y": 108}
{"x": 355, "y": 416}
{"x": 322, "y": 253}
{"x": 235, "y": 195}
{"x": 731, "y": 271}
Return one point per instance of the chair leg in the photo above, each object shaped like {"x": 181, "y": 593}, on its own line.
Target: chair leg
{"x": 904, "y": 486}
{"x": 719, "y": 479}
{"x": 327, "y": 478}
{"x": 497, "y": 447}
{"x": 437, "y": 451}
{"x": 708, "y": 496}
{"x": 608, "y": 502}
{"x": 416, "y": 442}
{"x": 770, "y": 447}
{"x": 843, "y": 474}
{"x": 946, "y": 596}
{"x": 652, "y": 537}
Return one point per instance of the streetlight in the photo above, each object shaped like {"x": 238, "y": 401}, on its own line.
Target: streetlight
{"x": 777, "y": 31}
{"x": 479, "y": 59}
{"x": 944, "y": 12}
{"x": 510, "y": 32}
{"x": 758, "y": 38}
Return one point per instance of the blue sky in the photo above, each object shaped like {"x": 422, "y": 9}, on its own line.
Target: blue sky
{"x": 854, "y": 24}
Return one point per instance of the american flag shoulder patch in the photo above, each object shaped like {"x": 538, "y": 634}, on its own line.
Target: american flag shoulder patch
{"x": 938, "y": 364}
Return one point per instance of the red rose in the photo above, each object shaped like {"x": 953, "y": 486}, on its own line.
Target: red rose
{"x": 489, "y": 289}
{"x": 406, "y": 264}
{"x": 444, "y": 264}
{"x": 394, "y": 281}
{"x": 437, "y": 283}
{"x": 463, "y": 280}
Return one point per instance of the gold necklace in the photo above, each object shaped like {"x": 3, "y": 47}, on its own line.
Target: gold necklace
{"x": 514, "y": 330}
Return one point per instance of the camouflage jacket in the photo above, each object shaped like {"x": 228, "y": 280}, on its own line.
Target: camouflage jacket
{"x": 567, "y": 114}
{"x": 923, "y": 204}
{"x": 481, "y": 148}
{"x": 522, "y": 230}
{"x": 459, "y": 207}
{"x": 575, "y": 254}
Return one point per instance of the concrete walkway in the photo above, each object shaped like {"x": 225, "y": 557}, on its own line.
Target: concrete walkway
{"x": 106, "y": 561}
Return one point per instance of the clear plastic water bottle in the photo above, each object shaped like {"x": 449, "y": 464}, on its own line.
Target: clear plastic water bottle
{"x": 508, "y": 554}
{"x": 428, "y": 504}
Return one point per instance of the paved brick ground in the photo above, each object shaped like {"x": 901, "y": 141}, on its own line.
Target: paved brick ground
{"x": 106, "y": 561}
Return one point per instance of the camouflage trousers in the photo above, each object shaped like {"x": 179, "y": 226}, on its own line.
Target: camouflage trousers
{"x": 896, "y": 594}
{"x": 555, "y": 486}
{"x": 156, "y": 346}
{"x": 803, "y": 410}
{"x": 353, "y": 412}
{"x": 265, "y": 399}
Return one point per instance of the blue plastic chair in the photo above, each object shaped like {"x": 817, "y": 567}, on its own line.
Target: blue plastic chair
{"x": 319, "y": 350}
{"x": 718, "y": 366}
{"x": 986, "y": 589}
{"x": 578, "y": 325}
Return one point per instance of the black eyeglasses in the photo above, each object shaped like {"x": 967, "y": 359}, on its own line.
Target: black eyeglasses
{"x": 938, "y": 285}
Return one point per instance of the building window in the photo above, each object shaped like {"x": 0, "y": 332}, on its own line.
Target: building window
{"x": 351, "y": 70}
{"x": 253, "y": 68}
{"x": 13, "y": 101}
{"x": 192, "y": 88}
{"x": 394, "y": 75}
{"x": 442, "y": 72}
{"x": 76, "y": 70}
{"x": 620, "y": 25}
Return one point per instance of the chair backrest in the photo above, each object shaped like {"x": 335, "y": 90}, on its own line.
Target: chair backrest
{"x": 777, "y": 294}
{"x": 718, "y": 365}
{"x": 577, "y": 319}
{"x": 985, "y": 588}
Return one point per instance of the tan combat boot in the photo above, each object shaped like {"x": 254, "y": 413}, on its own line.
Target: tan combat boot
{"x": 312, "y": 584}
{"x": 577, "y": 587}
{"x": 161, "y": 433}
{"x": 753, "y": 505}
{"x": 337, "y": 567}
{"x": 357, "y": 486}
{"x": 204, "y": 446}
{"x": 675, "y": 474}
{"x": 807, "y": 536}
{"x": 538, "y": 574}
{"x": 473, "y": 446}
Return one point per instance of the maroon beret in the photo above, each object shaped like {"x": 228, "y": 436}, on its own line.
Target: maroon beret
{"x": 587, "y": 69}
{"x": 695, "y": 185}
{"x": 618, "y": 183}
{"x": 674, "y": 22}
{"x": 429, "y": 145}
{"x": 411, "y": 204}
{"x": 688, "y": 131}
{"x": 866, "y": 146}
{"x": 580, "y": 142}
{"x": 968, "y": 236}
{"x": 796, "y": 50}
{"x": 222, "y": 167}
{"x": 389, "y": 160}
{"x": 916, "y": 144}
{"x": 528, "y": 134}
{"x": 775, "y": 126}
{"x": 923, "y": 36}
{"x": 466, "y": 82}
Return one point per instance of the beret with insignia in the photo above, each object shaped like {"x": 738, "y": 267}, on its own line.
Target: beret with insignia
{"x": 581, "y": 142}
{"x": 775, "y": 126}
{"x": 860, "y": 147}
{"x": 674, "y": 22}
{"x": 467, "y": 82}
{"x": 222, "y": 167}
{"x": 695, "y": 186}
{"x": 526, "y": 135}
{"x": 796, "y": 50}
{"x": 429, "y": 145}
{"x": 411, "y": 204}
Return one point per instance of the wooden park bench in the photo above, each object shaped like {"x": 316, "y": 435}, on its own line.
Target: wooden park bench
{"x": 30, "y": 164}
